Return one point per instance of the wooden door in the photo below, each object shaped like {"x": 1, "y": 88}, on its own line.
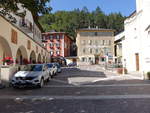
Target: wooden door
{"x": 137, "y": 62}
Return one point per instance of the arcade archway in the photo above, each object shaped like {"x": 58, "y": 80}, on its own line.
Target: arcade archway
{"x": 5, "y": 50}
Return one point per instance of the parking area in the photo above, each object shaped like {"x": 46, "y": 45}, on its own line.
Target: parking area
{"x": 86, "y": 89}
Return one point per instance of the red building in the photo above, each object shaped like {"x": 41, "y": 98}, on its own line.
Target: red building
{"x": 58, "y": 43}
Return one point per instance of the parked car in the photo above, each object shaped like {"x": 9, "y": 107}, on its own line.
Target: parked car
{"x": 58, "y": 67}
{"x": 31, "y": 75}
{"x": 52, "y": 69}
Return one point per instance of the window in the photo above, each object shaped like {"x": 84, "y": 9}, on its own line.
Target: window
{"x": 63, "y": 36}
{"x": 84, "y": 50}
{"x": 97, "y": 51}
{"x": 57, "y": 44}
{"x": 103, "y": 42}
{"x": 96, "y": 42}
{"x": 57, "y": 37}
{"x": 90, "y": 59}
{"x": 84, "y": 59}
{"x": 90, "y": 50}
{"x": 51, "y": 37}
{"x": 83, "y": 42}
{"x": 58, "y": 52}
{"x": 51, "y": 52}
{"x": 96, "y": 33}
{"x": 109, "y": 42}
{"x": 51, "y": 44}
{"x": 102, "y": 59}
{"x": 90, "y": 42}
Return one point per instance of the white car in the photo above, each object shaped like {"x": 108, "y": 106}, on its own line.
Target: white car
{"x": 31, "y": 75}
{"x": 52, "y": 69}
{"x": 58, "y": 67}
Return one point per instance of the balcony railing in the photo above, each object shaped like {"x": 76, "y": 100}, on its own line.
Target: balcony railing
{"x": 26, "y": 25}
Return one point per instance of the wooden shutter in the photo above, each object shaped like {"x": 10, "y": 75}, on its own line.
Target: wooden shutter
{"x": 14, "y": 37}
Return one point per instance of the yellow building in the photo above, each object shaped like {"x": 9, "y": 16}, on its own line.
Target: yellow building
{"x": 95, "y": 45}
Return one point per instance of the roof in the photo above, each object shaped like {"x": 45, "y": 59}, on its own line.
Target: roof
{"x": 53, "y": 32}
{"x": 95, "y": 29}
{"x": 132, "y": 14}
{"x": 148, "y": 27}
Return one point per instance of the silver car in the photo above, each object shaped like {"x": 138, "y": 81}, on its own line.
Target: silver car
{"x": 31, "y": 75}
{"x": 52, "y": 69}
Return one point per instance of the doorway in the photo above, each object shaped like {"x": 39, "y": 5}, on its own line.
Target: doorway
{"x": 137, "y": 62}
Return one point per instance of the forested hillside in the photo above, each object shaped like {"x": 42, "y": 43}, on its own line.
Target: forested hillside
{"x": 69, "y": 21}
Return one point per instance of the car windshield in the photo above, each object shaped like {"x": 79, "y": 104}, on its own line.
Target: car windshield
{"x": 50, "y": 65}
{"x": 34, "y": 68}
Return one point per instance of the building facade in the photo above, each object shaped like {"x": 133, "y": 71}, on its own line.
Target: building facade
{"x": 21, "y": 41}
{"x": 136, "y": 46}
{"x": 59, "y": 44}
{"x": 95, "y": 45}
{"x": 119, "y": 38}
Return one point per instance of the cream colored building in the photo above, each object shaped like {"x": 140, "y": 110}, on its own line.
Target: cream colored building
{"x": 95, "y": 45}
{"x": 20, "y": 40}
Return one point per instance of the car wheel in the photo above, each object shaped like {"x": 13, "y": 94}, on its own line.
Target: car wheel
{"x": 50, "y": 75}
{"x": 48, "y": 79}
{"x": 41, "y": 83}
{"x": 15, "y": 87}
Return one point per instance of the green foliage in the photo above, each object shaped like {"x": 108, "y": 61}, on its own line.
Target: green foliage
{"x": 69, "y": 21}
{"x": 35, "y": 6}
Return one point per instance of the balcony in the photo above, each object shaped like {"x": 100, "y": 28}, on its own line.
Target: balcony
{"x": 26, "y": 25}
{"x": 58, "y": 47}
{"x": 51, "y": 47}
{"x": 51, "y": 39}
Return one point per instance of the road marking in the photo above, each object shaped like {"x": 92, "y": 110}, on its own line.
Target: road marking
{"x": 60, "y": 81}
{"x": 92, "y": 97}
{"x": 84, "y": 86}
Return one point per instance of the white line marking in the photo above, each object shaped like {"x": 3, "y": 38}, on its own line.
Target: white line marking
{"x": 112, "y": 85}
{"x": 92, "y": 97}
{"x": 60, "y": 81}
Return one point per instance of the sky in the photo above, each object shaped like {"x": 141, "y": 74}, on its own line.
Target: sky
{"x": 126, "y": 7}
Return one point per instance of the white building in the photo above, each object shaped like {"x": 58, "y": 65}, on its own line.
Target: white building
{"x": 118, "y": 47}
{"x": 136, "y": 46}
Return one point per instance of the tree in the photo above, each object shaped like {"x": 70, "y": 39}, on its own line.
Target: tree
{"x": 35, "y": 6}
{"x": 70, "y": 21}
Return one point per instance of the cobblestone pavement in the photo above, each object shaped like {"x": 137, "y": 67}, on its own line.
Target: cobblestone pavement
{"x": 87, "y": 89}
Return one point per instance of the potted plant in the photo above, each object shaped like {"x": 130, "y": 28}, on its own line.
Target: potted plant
{"x": 120, "y": 70}
{"x": 7, "y": 60}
